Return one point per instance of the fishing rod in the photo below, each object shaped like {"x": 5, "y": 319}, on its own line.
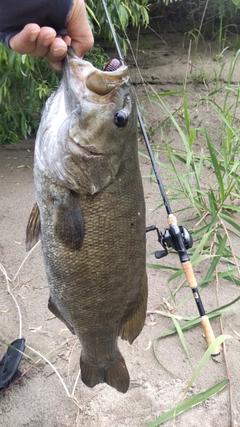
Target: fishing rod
{"x": 176, "y": 237}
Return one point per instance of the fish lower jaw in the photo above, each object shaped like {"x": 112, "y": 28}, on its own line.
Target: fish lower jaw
{"x": 77, "y": 148}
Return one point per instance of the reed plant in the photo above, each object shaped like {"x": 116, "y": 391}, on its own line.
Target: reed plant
{"x": 211, "y": 206}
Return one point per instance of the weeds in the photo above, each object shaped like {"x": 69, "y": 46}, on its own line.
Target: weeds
{"x": 209, "y": 193}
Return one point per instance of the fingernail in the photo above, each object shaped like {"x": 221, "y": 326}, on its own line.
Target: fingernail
{"x": 34, "y": 35}
{"x": 59, "y": 51}
{"x": 47, "y": 38}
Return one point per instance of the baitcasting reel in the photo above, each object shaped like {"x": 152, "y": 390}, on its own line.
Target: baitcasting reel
{"x": 171, "y": 239}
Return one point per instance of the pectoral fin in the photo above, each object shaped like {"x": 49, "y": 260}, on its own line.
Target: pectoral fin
{"x": 68, "y": 222}
{"x": 33, "y": 230}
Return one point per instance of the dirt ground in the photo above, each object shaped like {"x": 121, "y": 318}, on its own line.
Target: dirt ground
{"x": 38, "y": 398}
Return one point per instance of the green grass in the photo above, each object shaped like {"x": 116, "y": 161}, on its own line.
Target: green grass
{"x": 212, "y": 206}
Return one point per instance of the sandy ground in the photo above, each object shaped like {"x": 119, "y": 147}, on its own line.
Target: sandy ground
{"x": 38, "y": 398}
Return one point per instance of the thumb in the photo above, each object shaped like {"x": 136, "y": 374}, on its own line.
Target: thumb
{"x": 79, "y": 30}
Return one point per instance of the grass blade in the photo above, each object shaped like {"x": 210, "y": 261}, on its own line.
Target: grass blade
{"x": 216, "y": 258}
{"x": 184, "y": 406}
{"x": 182, "y": 339}
{"x": 19, "y": 351}
{"x": 180, "y": 271}
{"x": 227, "y": 275}
{"x": 215, "y": 344}
{"x": 197, "y": 320}
{"x": 164, "y": 267}
{"x": 230, "y": 220}
{"x": 189, "y": 403}
{"x": 216, "y": 166}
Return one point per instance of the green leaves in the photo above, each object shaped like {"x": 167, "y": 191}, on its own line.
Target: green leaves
{"x": 122, "y": 12}
{"x": 236, "y": 2}
{"x": 25, "y": 83}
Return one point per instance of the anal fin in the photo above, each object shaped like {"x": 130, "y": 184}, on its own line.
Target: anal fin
{"x": 52, "y": 307}
{"x": 33, "y": 230}
{"x": 114, "y": 374}
{"x": 133, "y": 322}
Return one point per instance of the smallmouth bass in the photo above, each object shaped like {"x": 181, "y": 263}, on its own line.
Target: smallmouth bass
{"x": 90, "y": 214}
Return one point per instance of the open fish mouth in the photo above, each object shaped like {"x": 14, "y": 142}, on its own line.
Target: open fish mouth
{"x": 100, "y": 82}
{"x": 111, "y": 67}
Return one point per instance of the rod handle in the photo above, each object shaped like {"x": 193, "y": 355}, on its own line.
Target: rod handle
{"x": 189, "y": 273}
{"x": 209, "y": 335}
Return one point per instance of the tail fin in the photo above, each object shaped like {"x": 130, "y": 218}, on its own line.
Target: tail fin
{"x": 114, "y": 374}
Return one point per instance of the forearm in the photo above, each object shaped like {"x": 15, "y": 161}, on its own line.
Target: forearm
{"x": 15, "y": 14}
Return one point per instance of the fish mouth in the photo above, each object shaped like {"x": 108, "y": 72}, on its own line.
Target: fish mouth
{"x": 86, "y": 151}
{"x": 114, "y": 67}
{"x": 98, "y": 81}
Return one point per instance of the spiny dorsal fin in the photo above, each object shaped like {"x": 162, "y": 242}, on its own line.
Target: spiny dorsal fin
{"x": 33, "y": 230}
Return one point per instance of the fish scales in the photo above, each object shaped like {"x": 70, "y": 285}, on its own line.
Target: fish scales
{"x": 92, "y": 218}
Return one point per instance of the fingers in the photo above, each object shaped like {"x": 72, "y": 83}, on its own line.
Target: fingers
{"x": 38, "y": 41}
{"x": 43, "y": 41}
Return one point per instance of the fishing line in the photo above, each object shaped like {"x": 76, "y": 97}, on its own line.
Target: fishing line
{"x": 140, "y": 120}
{"x": 176, "y": 237}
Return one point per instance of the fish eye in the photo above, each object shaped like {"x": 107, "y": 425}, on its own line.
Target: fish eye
{"x": 120, "y": 119}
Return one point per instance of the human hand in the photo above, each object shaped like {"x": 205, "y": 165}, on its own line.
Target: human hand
{"x": 43, "y": 41}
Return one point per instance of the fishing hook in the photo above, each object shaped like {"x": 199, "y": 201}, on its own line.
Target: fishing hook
{"x": 175, "y": 232}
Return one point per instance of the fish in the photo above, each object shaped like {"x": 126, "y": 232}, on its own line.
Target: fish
{"x": 90, "y": 214}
